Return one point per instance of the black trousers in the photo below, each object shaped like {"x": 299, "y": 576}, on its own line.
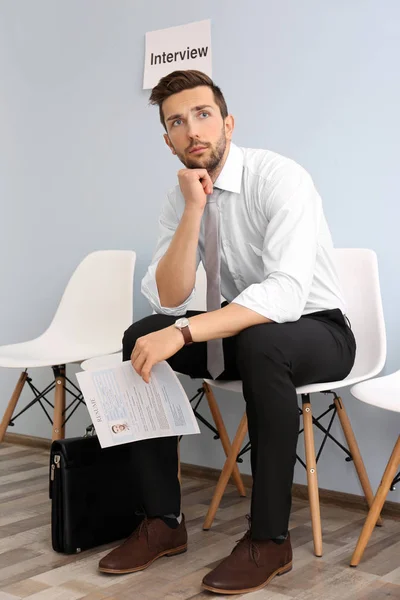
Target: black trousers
{"x": 271, "y": 360}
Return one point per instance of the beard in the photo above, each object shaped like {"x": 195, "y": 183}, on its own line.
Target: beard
{"x": 211, "y": 161}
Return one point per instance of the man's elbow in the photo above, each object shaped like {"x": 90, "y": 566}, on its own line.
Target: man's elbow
{"x": 294, "y": 313}
{"x": 168, "y": 299}
{"x": 166, "y": 302}
{"x": 295, "y": 316}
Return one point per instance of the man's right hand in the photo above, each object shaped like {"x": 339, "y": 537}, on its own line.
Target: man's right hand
{"x": 196, "y": 185}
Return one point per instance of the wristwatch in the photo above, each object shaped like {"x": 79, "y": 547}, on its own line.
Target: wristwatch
{"x": 183, "y": 325}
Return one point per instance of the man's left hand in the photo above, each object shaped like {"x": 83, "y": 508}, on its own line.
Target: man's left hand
{"x": 155, "y": 347}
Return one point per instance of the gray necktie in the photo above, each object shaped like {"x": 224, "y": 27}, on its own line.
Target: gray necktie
{"x": 212, "y": 256}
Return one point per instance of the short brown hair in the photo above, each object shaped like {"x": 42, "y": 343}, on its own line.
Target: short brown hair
{"x": 185, "y": 80}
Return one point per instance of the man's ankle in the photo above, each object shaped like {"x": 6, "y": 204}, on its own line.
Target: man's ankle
{"x": 280, "y": 539}
{"x": 172, "y": 520}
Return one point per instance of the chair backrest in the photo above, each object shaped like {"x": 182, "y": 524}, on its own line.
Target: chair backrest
{"x": 97, "y": 305}
{"x": 358, "y": 273}
{"x": 359, "y": 277}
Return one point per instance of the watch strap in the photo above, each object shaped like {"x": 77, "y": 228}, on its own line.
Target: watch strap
{"x": 187, "y": 336}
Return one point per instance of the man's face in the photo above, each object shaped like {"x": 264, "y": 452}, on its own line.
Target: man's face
{"x": 118, "y": 428}
{"x": 196, "y": 131}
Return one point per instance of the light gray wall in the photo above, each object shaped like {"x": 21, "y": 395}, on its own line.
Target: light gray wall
{"x": 83, "y": 165}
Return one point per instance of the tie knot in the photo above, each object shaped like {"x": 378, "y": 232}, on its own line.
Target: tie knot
{"x": 214, "y": 196}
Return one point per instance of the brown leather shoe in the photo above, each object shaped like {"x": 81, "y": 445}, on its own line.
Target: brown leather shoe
{"x": 250, "y": 567}
{"x": 150, "y": 540}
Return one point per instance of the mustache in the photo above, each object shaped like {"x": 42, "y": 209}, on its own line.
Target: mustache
{"x": 197, "y": 145}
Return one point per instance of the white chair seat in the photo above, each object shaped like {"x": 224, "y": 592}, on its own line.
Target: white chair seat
{"x": 383, "y": 392}
{"x": 42, "y": 352}
{"x": 236, "y": 386}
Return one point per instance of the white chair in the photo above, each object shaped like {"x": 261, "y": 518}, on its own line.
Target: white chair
{"x": 358, "y": 273}
{"x": 383, "y": 392}
{"x": 95, "y": 309}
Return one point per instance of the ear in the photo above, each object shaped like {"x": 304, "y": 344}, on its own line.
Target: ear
{"x": 229, "y": 125}
{"x": 168, "y": 142}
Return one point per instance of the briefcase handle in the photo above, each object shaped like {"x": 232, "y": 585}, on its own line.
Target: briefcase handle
{"x": 90, "y": 431}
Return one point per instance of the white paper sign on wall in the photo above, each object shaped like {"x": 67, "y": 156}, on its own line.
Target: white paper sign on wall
{"x": 177, "y": 48}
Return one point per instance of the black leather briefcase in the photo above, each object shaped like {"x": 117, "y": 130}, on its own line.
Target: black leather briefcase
{"x": 94, "y": 498}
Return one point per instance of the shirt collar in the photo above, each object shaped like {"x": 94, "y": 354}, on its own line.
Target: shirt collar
{"x": 230, "y": 178}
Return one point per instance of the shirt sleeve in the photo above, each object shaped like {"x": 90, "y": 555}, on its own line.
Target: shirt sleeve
{"x": 168, "y": 223}
{"x": 289, "y": 251}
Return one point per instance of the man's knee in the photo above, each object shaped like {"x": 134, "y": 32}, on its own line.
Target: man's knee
{"x": 141, "y": 328}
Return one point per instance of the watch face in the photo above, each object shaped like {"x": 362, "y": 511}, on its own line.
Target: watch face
{"x": 182, "y": 322}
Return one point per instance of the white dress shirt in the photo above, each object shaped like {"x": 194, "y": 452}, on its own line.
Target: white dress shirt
{"x": 276, "y": 248}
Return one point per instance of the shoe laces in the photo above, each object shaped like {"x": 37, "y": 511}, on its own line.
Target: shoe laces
{"x": 143, "y": 527}
{"x": 252, "y": 546}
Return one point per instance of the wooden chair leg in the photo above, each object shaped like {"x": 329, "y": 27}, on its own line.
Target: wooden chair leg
{"x": 226, "y": 472}
{"x": 223, "y": 434}
{"x": 355, "y": 453}
{"x": 59, "y": 406}
{"x": 12, "y": 404}
{"x": 312, "y": 478}
{"x": 377, "y": 504}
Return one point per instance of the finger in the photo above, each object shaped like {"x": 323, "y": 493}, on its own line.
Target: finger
{"x": 135, "y": 353}
{"x": 146, "y": 370}
{"x": 139, "y": 362}
{"x": 210, "y": 186}
{"x": 138, "y": 348}
{"x": 207, "y": 183}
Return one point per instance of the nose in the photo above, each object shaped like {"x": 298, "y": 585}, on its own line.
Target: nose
{"x": 192, "y": 129}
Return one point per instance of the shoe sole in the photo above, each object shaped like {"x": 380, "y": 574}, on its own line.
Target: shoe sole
{"x": 174, "y": 552}
{"x": 278, "y": 572}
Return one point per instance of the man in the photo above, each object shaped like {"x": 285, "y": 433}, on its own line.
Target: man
{"x": 120, "y": 428}
{"x": 255, "y": 219}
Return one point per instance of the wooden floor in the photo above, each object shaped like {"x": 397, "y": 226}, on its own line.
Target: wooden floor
{"x": 30, "y": 569}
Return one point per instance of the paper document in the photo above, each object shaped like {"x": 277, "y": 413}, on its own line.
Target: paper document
{"x": 125, "y": 409}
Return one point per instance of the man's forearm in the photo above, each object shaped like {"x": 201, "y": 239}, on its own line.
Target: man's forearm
{"x": 176, "y": 271}
{"x": 225, "y": 322}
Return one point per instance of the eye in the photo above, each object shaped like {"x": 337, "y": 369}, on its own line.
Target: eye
{"x": 177, "y": 122}
{"x": 204, "y": 114}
